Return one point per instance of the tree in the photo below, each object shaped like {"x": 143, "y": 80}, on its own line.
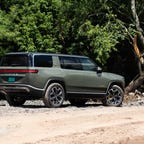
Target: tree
{"x": 91, "y": 29}
{"x": 6, "y": 35}
{"x": 35, "y": 25}
{"x": 101, "y": 40}
{"x": 59, "y": 26}
{"x": 137, "y": 21}
{"x": 138, "y": 80}
{"x": 64, "y": 26}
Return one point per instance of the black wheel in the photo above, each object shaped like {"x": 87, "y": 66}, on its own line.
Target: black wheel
{"x": 54, "y": 95}
{"x": 77, "y": 102}
{"x": 15, "y": 100}
{"x": 114, "y": 96}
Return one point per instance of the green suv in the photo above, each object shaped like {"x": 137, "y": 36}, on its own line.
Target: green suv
{"x": 55, "y": 78}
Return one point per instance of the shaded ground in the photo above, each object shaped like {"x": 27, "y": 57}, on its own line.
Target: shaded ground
{"x": 93, "y": 124}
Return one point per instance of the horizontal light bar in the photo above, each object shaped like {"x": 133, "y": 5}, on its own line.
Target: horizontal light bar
{"x": 18, "y": 71}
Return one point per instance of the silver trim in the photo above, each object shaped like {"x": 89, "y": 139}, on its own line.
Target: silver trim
{"x": 85, "y": 93}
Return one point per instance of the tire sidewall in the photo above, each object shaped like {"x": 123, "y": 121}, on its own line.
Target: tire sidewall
{"x": 46, "y": 98}
{"x": 105, "y": 102}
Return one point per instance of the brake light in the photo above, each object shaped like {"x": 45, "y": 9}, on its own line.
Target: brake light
{"x": 18, "y": 71}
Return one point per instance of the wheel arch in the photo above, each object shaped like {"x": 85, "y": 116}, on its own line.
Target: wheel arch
{"x": 121, "y": 85}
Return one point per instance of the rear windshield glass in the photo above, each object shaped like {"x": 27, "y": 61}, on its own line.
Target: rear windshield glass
{"x": 14, "y": 60}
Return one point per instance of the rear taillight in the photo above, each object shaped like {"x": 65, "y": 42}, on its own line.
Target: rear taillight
{"x": 18, "y": 71}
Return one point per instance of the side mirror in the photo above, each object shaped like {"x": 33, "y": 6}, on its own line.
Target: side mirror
{"x": 99, "y": 69}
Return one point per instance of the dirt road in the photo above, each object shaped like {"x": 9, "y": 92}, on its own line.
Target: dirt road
{"x": 93, "y": 124}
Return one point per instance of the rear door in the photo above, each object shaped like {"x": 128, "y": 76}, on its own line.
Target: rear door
{"x": 14, "y": 68}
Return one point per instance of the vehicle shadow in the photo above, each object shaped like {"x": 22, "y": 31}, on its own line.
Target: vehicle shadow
{"x": 35, "y": 106}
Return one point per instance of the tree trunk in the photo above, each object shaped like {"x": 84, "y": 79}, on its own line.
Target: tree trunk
{"x": 137, "y": 22}
{"x": 138, "y": 81}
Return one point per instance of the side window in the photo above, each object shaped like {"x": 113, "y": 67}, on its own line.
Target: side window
{"x": 70, "y": 63}
{"x": 87, "y": 64}
{"x": 43, "y": 61}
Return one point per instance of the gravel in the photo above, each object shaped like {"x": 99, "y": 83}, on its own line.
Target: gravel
{"x": 133, "y": 99}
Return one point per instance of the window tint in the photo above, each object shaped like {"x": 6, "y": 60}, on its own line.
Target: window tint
{"x": 14, "y": 60}
{"x": 87, "y": 64}
{"x": 70, "y": 63}
{"x": 43, "y": 61}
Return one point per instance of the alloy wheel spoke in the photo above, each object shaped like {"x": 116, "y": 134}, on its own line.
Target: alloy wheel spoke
{"x": 56, "y": 95}
{"x": 114, "y": 96}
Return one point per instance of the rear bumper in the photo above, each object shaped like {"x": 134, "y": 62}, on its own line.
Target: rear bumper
{"x": 27, "y": 91}
{"x": 14, "y": 89}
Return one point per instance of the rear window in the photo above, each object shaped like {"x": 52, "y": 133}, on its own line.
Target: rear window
{"x": 14, "y": 60}
{"x": 43, "y": 61}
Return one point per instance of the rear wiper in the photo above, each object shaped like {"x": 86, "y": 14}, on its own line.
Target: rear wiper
{"x": 15, "y": 64}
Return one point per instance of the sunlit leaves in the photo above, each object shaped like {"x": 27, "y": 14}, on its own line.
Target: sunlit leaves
{"x": 86, "y": 27}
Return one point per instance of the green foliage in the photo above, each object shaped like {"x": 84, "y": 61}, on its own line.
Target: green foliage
{"x": 34, "y": 25}
{"x": 102, "y": 40}
{"x": 92, "y": 28}
{"x": 6, "y": 35}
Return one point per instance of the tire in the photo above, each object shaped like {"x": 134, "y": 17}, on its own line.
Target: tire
{"x": 114, "y": 96}
{"x": 54, "y": 95}
{"x": 15, "y": 100}
{"x": 77, "y": 102}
